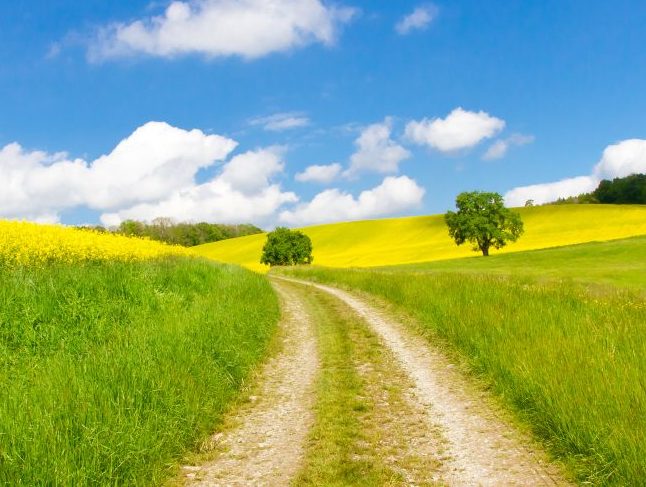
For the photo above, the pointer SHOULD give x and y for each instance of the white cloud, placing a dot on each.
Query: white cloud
(219, 28)
(241, 193)
(622, 159)
(281, 121)
(461, 129)
(250, 172)
(35, 185)
(376, 151)
(418, 19)
(500, 147)
(319, 173)
(149, 174)
(392, 196)
(618, 160)
(155, 160)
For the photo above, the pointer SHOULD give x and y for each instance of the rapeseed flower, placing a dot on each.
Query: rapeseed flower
(25, 244)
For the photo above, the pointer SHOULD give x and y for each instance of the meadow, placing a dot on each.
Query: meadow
(613, 263)
(117, 356)
(409, 240)
(566, 354)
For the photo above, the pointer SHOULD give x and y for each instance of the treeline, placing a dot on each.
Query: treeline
(186, 234)
(629, 190)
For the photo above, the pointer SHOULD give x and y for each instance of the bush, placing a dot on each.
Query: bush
(287, 247)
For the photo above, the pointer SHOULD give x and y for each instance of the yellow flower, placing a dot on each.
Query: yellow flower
(32, 244)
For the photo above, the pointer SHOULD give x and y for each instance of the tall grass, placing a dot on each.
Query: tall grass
(570, 361)
(110, 371)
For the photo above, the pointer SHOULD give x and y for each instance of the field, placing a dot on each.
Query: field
(612, 263)
(123, 355)
(566, 354)
(117, 356)
(24, 244)
(423, 239)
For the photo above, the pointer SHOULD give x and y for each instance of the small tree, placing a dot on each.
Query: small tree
(287, 247)
(483, 220)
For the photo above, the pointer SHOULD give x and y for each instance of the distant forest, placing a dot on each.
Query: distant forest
(630, 190)
(186, 234)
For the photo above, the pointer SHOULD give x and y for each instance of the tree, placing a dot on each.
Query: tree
(287, 247)
(483, 220)
(183, 233)
(628, 190)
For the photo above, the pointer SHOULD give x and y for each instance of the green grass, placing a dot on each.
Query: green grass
(334, 452)
(618, 262)
(568, 359)
(110, 372)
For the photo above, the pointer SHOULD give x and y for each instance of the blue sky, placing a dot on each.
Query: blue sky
(413, 101)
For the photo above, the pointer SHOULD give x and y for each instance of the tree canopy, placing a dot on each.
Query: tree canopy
(483, 220)
(186, 234)
(286, 247)
(628, 190)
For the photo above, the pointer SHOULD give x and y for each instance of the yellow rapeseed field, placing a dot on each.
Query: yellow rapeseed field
(420, 239)
(32, 244)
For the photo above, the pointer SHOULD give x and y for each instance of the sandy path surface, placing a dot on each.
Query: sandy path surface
(265, 445)
(480, 448)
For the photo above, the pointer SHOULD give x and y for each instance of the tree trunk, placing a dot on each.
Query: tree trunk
(485, 251)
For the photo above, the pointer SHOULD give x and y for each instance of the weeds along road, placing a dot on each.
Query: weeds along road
(354, 398)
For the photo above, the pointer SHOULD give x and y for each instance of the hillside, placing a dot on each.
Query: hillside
(616, 263)
(422, 239)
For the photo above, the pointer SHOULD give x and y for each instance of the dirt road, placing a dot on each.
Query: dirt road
(441, 417)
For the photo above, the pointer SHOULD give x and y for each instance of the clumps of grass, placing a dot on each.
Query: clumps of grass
(112, 370)
(570, 361)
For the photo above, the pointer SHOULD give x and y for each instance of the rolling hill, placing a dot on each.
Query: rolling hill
(410, 240)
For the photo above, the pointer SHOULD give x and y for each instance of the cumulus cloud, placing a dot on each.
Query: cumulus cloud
(221, 28)
(376, 151)
(461, 129)
(35, 185)
(499, 148)
(392, 196)
(319, 173)
(250, 172)
(622, 159)
(281, 121)
(418, 19)
(242, 192)
(155, 160)
(149, 174)
(618, 160)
